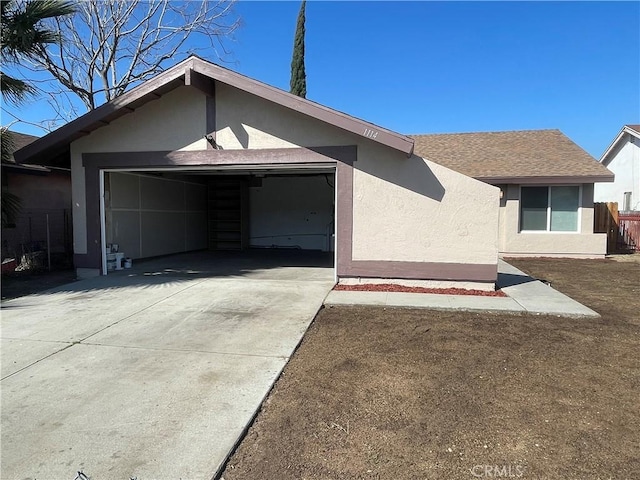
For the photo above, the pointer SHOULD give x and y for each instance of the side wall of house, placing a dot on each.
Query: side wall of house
(626, 167)
(51, 190)
(581, 244)
(45, 205)
(413, 210)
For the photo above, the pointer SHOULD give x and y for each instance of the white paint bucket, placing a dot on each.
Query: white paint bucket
(127, 263)
(111, 261)
(119, 260)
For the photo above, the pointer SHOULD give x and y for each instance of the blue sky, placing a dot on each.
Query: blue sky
(436, 67)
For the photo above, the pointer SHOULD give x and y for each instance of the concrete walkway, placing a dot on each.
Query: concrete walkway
(150, 373)
(524, 295)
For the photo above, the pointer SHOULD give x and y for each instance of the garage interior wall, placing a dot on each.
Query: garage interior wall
(149, 216)
(293, 212)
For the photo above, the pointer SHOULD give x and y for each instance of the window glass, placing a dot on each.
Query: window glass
(533, 208)
(564, 209)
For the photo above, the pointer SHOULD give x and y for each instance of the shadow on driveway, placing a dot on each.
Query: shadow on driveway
(175, 269)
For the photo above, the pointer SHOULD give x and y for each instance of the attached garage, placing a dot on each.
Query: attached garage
(201, 157)
(154, 213)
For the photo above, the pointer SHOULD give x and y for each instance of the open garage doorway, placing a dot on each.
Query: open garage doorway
(220, 221)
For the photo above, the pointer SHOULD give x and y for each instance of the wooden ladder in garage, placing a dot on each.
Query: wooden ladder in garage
(228, 212)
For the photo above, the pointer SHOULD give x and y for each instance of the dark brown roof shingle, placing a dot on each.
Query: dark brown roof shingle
(19, 140)
(511, 156)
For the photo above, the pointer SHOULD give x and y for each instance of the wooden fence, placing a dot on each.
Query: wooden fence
(605, 217)
(629, 230)
(622, 228)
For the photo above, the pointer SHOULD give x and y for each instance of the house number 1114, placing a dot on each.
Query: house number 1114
(370, 133)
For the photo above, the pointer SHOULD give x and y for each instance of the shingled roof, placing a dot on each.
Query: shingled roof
(526, 156)
(19, 140)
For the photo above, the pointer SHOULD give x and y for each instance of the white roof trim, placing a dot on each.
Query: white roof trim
(625, 129)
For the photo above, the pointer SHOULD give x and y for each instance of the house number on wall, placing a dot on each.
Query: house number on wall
(370, 133)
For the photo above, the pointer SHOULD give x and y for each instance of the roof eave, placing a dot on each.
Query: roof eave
(58, 140)
(605, 159)
(338, 119)
(547, 180)
(25, 168)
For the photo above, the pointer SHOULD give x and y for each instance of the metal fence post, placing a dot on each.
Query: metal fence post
(48, 244)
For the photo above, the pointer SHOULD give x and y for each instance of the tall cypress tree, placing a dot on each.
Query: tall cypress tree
(298, 82)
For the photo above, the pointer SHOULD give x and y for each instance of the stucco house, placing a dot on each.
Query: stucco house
(202, 157)
(622, 157)
(546, 186)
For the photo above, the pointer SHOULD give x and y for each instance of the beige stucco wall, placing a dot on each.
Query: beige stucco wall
(176, 121)
(247, 121)
(404, 209)
(583, 243)
(417, 211)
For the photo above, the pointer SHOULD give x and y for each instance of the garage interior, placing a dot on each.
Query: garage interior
(282, 216)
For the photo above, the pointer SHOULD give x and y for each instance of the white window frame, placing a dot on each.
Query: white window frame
(548, 230)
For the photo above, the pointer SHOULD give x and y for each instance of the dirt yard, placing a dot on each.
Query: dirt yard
(375, 393)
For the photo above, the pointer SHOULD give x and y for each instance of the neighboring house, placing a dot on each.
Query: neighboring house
(201, 156)
(623, 159)
(45, 195)
(546, 184)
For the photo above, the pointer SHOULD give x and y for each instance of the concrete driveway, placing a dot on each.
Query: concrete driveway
(150, 373)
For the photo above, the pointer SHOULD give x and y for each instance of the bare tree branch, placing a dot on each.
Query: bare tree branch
(45, 125)
(109, 46)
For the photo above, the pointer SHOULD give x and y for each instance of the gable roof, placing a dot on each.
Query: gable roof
(526, 156)
(630, 130)
(199, 73)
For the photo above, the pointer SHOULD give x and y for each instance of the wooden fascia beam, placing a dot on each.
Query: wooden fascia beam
(197, 80)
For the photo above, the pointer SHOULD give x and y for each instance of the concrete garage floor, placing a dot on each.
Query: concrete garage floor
(152, 372)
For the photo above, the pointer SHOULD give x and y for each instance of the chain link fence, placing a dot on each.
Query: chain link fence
(39, 239)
